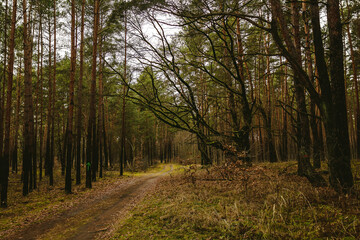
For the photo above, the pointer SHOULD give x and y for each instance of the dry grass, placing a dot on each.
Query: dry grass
(261, 202)
(46, 200)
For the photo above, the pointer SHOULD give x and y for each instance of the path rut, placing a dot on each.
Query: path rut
(93, 218)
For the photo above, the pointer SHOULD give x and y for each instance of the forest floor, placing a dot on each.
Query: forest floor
(265, 201)
(85, 214)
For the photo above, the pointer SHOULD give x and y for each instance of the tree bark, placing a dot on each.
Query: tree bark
(2, 97)
(270, 146)
(106, 151)
(337, 128)
(53, 115)
(48, 165)
(28, 105)
(79, 97)
(71, 102)
(284, 130)
(309, 65)
(123, 123)
(357, 111)
(303, 134)
(41, 99)
(17, 122)
(91, 137)
(100, 105)
(7, 150)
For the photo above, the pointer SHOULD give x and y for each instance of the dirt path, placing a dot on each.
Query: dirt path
(93, 218)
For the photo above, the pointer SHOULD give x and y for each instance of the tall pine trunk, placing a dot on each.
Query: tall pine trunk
(303, 134)
(53, 116)
(123, 123)
(91, 136)
(28, 106)
(17, 123)
(79, 98)
(71, 102)
(336, 123)
(7, 153)
(100, 107)
(41, 131)
(316, 146)
(357, 111)
(48, 166)
(2, 100)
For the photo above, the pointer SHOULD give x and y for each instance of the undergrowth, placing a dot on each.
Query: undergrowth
(234, 202)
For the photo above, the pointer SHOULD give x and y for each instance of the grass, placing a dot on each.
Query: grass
(261, 202)
(266, 201)
(157, 168)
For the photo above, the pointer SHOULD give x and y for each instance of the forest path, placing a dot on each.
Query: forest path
(94, 218)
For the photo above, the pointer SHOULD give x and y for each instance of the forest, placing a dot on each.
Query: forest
(218, 95)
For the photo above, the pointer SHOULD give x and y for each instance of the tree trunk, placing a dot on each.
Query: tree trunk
(48, 165)
(357, 111)
(309, 65)
(337, 128)
(53, 115)
(37, 100)
(2, 102)
(123, 123)
(244, 135)
(106, 153)
(7, 153)
(303, 134)
(62, 150)
(100, 106)
(17, 122)
(71, 102)
(268, 116)
(284, 130)
(79, 98)
(28, 105)
(91, 137)
(41, 99)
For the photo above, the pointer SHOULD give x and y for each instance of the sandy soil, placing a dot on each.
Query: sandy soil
(94, 217)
